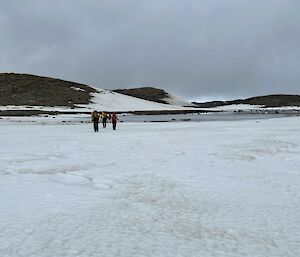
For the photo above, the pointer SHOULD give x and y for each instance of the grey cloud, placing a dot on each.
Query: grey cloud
(215, 48)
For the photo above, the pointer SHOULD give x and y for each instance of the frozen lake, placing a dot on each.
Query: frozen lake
(222, 116)
(196, 117)
(218, 188)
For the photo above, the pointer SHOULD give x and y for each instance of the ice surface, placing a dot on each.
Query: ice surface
(150, 189)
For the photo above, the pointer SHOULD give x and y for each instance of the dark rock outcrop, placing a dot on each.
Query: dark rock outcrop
(24, 89)
(266, 101)
(146, 93)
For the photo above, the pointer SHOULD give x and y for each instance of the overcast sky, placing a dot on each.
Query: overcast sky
(217, 49)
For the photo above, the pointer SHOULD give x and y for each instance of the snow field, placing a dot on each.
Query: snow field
(163, 189)
(105, 100)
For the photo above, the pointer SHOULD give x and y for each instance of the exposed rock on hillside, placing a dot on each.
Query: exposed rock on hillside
(267, 101)
(24, 89)
(154, 95)
(146, 93)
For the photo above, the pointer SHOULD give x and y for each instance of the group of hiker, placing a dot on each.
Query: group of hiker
(105, 117)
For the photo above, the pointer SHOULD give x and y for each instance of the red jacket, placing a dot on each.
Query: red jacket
(114, 117)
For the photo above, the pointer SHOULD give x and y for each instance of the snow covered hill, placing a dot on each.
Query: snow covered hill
(155, 95)
(104, 100)
(176, 100)
(23, 92)
(112, 101)
(29, 92)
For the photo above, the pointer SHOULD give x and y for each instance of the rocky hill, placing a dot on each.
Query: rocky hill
(23, 94)
(146, 93)
(155, 95)
(24, 89)
(266, 101)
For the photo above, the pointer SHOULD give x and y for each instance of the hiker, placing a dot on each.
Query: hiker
(114, 119)
(104, 119)
(95, 119)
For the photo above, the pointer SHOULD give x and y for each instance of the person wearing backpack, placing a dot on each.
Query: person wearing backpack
(109, 117)
(114, 119)
(104, 119)
(95, 119)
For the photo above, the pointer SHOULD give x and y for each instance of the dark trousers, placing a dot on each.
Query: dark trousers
(114, 123)
(96, 126)
(104, 122)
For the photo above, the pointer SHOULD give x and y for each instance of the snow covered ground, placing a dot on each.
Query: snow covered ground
(249, 107)
(177, 101)
(112, 101)
(233, 107)
(220, 188)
